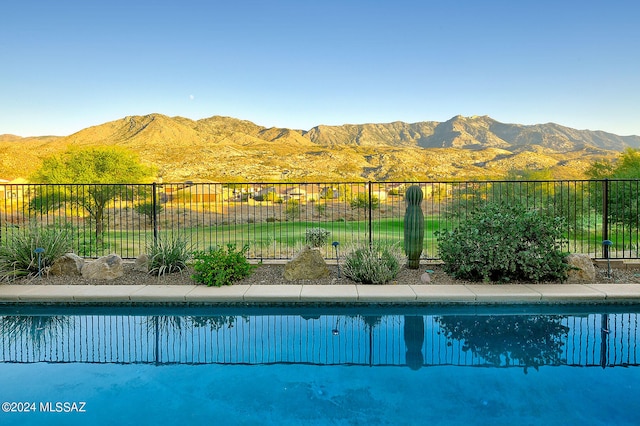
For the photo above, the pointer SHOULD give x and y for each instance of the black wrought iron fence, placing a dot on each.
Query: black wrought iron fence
(272, 218)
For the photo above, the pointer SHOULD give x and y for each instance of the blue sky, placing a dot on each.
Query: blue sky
(66, 64)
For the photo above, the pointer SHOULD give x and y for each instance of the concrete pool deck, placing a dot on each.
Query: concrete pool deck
(473, 294)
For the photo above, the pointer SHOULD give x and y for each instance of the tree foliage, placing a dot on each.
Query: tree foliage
(623, 199)
(98, 165)
(535, 189)
(107, 171)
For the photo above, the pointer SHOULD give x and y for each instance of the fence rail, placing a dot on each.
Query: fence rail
(272, 218)
(594, 340)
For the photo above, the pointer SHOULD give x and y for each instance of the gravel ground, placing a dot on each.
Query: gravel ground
(273, 274)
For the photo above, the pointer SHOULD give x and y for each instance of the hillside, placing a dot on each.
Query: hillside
(228, 149)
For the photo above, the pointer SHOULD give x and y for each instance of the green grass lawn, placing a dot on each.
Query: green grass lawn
(277, 239)
(282, 239)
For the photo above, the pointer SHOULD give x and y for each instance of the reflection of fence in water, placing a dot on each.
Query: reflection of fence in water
(590, 340)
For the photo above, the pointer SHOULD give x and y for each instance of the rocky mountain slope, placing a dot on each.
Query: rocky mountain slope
(228, 149)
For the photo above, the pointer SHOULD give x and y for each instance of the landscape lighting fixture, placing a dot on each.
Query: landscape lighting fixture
(607, 245)
(335, 245)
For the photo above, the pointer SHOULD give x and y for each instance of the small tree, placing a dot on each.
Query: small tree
(147, 209)
(105, 173)
(292, 210)
(362, 201)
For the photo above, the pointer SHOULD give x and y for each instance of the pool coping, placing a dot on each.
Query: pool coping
(300, 295)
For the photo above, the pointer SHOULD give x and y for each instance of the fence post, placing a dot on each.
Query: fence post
(605, 217)
(370, 218)
(154, 201)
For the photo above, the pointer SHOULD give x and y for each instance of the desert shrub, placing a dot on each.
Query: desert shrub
(292, 211)
(148, 210)
(168, 254)
(270, 195)
(317, 237)
(361, 201)
(373, 265)
(18, 257)
(219, 267)
(503, 242)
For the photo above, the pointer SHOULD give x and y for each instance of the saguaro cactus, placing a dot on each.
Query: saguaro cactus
(413, 226)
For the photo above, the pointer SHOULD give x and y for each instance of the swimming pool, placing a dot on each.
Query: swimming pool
(448, 365)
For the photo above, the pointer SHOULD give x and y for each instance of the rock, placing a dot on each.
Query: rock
(425, 278)
(69, 264)
(308, 264)
(142, 263)
(104, 268)
(582, 269)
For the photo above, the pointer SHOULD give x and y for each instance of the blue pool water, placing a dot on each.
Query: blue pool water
(320, 367)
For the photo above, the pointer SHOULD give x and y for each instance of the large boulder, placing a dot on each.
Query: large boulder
(581, 268)
(308, 264)
(104, 268)
(69, 264)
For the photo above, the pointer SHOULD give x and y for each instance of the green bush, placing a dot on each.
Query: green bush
(503, 242)
(373, 265)
(18, 257)
(317, 237)
(168, 254)
(219, 267)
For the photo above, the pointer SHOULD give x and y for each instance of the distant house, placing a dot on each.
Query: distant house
(380, 191)
(267, 193)
(200, 193)
(335, 192)
(396, 188)
(399, 189)
(295, 193)
(330, 192)
(12, 190)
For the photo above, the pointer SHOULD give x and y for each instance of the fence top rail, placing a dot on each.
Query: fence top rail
(231, 184)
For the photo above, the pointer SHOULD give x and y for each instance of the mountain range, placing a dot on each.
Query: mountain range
(230, 150)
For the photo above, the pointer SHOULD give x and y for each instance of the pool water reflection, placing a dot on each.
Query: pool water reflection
(318, 366)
